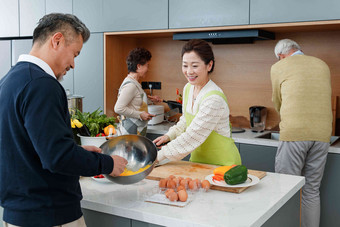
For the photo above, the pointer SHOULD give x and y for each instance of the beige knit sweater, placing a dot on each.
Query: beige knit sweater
(302, 95)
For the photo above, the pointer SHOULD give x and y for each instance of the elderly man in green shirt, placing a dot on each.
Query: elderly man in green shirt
(302, 95)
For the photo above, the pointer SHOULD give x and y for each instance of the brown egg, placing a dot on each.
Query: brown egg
(171, 177)
(180, 178)
(184, 183)
(206, 185)
(173, 196)
(171, 184)
(176, 181)
(182, 195)
(162, 183)
(181, 187)
(167, 192)
(188, 179)
(198, 183)
(193, 185)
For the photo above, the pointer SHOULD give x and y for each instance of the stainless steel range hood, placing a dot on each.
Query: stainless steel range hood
(226, 37)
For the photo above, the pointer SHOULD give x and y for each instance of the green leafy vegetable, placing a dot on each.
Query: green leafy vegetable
(95, 121)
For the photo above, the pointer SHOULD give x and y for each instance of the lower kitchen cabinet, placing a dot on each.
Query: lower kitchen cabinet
(329, 192)
(1, 212)
(258, 157)
(95, 219)
(135, 223)
(238, 146)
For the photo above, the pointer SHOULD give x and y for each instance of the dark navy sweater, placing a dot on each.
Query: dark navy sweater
(40, 163)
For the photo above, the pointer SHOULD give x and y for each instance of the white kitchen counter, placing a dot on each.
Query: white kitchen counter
(253, 207)
(247, 137)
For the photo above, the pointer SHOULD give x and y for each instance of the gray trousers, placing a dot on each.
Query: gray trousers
(308, 159)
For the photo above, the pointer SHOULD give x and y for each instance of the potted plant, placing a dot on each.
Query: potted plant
(92, 128)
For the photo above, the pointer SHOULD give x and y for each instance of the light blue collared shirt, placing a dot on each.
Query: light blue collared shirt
(297, 52)
(38, 62)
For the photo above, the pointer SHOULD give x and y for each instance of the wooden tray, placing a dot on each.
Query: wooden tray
(195, 170)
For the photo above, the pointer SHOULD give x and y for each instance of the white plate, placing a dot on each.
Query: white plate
(102, 180)
(252, 180)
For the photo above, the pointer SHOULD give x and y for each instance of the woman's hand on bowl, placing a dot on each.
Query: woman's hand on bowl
(119, 164)
(161, 140)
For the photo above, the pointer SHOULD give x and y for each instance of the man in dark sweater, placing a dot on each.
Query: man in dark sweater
(40, 163)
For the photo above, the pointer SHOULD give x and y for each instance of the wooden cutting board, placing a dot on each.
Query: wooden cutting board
(195, 170)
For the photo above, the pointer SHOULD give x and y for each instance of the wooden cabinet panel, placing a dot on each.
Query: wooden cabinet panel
(30, 13)
(200, 13)
(89, 73)
(268, 11)
(9, 18)
(113, 15)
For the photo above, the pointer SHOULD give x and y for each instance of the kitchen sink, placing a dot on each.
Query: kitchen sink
(270, 135)
(276, 136)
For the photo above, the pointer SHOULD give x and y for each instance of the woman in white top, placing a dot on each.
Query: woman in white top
(131, 104)
(204, 130)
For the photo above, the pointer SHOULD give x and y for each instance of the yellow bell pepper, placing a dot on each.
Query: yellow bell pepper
(221, 170)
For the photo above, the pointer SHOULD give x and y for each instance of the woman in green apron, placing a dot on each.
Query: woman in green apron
(131, 104)
(203, 130)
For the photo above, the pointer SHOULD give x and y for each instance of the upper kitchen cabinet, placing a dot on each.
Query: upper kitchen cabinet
(20, 46)
(5, 57)
(114, 15)
(9, 18)
(60, 6)
(268, 11)
(89, 73)
(201, 13)
(30, 13)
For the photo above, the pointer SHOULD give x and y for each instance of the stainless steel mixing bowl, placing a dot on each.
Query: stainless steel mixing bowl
(139, 151)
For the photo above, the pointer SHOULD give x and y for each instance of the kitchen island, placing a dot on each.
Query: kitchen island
(259, 154)
(275, 199)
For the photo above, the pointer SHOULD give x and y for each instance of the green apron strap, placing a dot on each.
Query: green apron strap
(216, 149)
(221, 95)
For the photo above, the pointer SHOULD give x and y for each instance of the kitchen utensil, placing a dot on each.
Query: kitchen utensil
(173, 105)
(139, 151)
(150, 86)
(258, 115)
(74, 102)
(170, 114)
(158, 111)
(195, 170)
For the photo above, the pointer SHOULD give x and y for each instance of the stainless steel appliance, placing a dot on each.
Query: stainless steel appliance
(258, 115)
(74, 102)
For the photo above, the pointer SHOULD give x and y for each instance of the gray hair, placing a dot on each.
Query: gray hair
(284, 46)
(67, 24)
